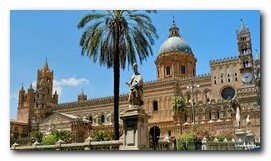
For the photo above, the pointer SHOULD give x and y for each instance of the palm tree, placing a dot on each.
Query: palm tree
(115, 38)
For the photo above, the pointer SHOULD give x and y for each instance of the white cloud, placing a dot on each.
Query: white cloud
(14, 96)
(68, 82)
(59, 84)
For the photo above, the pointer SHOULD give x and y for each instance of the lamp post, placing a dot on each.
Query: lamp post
(192, 86)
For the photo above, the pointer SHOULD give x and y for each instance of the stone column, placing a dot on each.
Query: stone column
(135, 129)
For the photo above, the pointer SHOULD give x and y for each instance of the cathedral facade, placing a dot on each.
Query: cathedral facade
(208, 98)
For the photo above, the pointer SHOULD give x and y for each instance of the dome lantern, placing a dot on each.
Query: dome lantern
(174, 43)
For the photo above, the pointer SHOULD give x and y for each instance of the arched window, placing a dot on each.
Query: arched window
(182, 69)
(167, 70)
(90, 119)
(102, 119)
(155, 106)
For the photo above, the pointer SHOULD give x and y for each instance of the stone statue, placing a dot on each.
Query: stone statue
(248, 121)
(136, 88)
(236, 106)
(238, 117)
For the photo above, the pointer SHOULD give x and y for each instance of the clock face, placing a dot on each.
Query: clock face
(247, 77)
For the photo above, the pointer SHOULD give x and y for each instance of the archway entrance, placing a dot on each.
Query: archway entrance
(154, 136)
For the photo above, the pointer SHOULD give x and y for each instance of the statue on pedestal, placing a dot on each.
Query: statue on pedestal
(248, 122)
(136, 88)
(236, 106)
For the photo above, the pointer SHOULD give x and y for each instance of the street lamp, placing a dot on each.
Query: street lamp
(192, 86)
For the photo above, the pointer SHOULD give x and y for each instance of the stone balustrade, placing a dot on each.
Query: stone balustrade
(89, 144)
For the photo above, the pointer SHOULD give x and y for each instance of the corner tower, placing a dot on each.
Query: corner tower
(45, 99)
(175, 58)
(245, 54)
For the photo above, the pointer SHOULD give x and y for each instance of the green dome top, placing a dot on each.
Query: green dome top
(174, 42)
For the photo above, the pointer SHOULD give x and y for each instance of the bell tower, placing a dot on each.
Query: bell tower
(245, 54)
(44, 92)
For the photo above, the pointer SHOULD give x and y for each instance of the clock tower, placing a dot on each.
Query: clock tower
(245, 55)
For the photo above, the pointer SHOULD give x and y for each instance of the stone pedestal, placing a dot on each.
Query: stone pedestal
(135, 129)
(250, 138)
(240, 135)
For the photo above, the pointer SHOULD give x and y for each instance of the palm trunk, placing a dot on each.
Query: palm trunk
(116, 89)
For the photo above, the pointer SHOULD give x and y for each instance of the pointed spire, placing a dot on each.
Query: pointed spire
(243, 26)
(30, 87)
(22, 88)
(174, 30)
(46, 66)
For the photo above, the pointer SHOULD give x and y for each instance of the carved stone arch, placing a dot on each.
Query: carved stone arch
(96, 118)
(208, 113)
(218, 107)
(109, 117)
(207, 95)
(102, 117)
(90, 118)
(218, 113)
(187, 96)
(197, 96)
(200, 113)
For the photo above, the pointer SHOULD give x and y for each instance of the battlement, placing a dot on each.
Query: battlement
(93, 101)
(223, 60)
(203, 75)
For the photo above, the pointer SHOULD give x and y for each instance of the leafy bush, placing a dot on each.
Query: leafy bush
(50, 139)
(36, 136)
(101, 135)
(64, 135)
(186, 141)
(220, 137)
(13, 138)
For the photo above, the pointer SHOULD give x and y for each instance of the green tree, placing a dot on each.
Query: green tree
(117, 37)
(101, 135)
(64, 135)
(177, 103)
(50, 139)
(36, 136)
(220, 137)
(186, 141)
(12, 138)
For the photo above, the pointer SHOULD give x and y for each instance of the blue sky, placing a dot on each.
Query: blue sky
(35, 35)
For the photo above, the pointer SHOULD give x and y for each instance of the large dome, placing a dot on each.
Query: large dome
(175, 43)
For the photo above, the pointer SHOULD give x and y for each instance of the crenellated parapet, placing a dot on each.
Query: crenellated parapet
(228, 60)
(93, 102)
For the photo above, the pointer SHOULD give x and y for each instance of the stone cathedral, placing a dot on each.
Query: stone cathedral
(234, 78)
